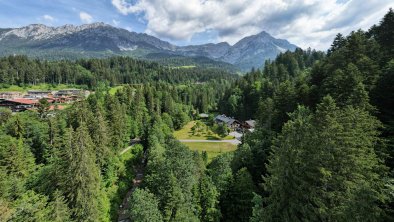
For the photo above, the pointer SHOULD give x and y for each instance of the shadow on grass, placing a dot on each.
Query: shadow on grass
(212, 138)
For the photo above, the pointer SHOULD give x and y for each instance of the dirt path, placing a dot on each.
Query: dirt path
(132, 143)
(139, 176)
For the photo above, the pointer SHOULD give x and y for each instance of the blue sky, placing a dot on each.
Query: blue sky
(306, 23)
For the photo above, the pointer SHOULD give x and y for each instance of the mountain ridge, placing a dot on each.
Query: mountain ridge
(102, 40)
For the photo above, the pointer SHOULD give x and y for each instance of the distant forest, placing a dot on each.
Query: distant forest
(20, 70)
(322, 150)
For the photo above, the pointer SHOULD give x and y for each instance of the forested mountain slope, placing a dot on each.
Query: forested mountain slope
(323, 150)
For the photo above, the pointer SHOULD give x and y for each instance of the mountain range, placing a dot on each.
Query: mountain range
(102, 40)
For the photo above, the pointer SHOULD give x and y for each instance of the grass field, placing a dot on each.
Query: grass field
(184, 67)
(113, 90)
(36, 87)
(206, 134)
(212, 149)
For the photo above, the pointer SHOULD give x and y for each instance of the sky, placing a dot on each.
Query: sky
(306, 23)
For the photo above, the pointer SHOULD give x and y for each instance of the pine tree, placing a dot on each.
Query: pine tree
(101, 139)
(322, 163)
(59, 209)
(144, 207)
(5, 115)
(31, 207)
(238, 204)
(15, 157)
(257, 213)
(81, 181)
(208, 200)
(339, 42)
(220, 171)
(384, 33)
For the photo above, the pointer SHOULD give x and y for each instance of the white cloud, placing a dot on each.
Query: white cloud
(115, 22)
(307, 23)
(48, 18)
(85, 17)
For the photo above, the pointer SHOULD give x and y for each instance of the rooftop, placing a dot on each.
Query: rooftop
(251, 123)
(203, 115)
(23, 101)
(225, 119)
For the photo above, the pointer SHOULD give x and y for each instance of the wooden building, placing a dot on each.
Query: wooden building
(18, 105)
(249, 125)
(10, 95)
(38, 94)
(229, 121)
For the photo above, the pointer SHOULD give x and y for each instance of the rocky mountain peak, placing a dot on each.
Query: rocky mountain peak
(105, 40)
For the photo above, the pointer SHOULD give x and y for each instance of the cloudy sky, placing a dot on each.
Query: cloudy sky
(306, 23)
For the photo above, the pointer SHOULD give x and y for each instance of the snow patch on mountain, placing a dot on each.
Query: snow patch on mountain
(127, 48)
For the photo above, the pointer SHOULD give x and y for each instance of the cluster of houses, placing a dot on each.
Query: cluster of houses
(234, 124)
(17, 101)
(238, 128)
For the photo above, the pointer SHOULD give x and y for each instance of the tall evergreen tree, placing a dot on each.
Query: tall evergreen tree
(238, 204)
(81, 181)
(59, 209)
(144, 207)
(321, 163)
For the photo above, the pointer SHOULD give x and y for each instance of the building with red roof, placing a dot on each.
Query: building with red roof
(19, 104)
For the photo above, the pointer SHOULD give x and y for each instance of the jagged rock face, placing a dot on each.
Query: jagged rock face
(95, 37)
(101, 39)
(253, 50)
(209, 50)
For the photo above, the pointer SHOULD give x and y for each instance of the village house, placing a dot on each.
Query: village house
(72, 92)
(10, 95)
(38, 94)
(69, 95)
(19, 104)
(230, 122)
(249, 125)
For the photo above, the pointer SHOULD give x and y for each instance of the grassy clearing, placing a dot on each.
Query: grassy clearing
(184, 67)
(36, 87)
(212, 149)
(206, 134)
(113, 90)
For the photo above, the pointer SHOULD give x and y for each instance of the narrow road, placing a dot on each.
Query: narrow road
(234, 141)
(125, 150)
(132, 143)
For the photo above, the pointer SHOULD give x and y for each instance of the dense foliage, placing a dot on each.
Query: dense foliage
(322, 149)
(20, 70)
(67, 166)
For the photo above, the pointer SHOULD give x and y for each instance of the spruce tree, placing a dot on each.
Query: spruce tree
(81, 180)
(324, 167)
(59, 209)
(144, 207)
(238, 204)
(208, 200)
